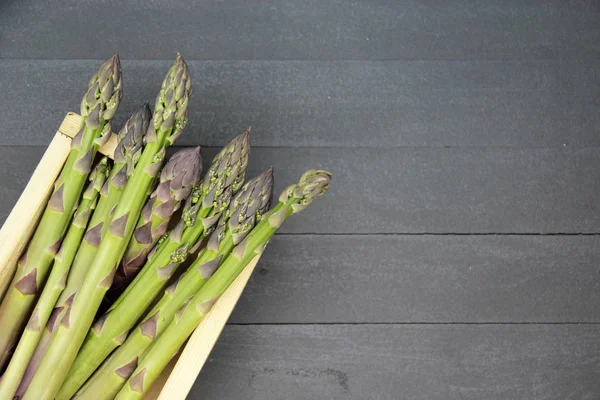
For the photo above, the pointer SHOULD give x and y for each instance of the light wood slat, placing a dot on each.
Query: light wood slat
(69, 128)
(22, 220)
(182, 374)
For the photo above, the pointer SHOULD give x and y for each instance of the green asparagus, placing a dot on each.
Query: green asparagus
(202, 210)
(204, 206)
(97, 109)
(127, 153)
(55, 284)
(295, 198)
(177, 178)
(245, 209)
(170, 116)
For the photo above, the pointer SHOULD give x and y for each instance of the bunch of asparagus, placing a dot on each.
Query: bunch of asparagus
(153, 243)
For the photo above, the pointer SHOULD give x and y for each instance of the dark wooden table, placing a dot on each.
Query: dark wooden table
(457, 254)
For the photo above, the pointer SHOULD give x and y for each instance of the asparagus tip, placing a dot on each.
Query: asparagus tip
(182, 172)
(115, 63)
(267, 177)
(313, 184)
(246, 134)
(130, 138)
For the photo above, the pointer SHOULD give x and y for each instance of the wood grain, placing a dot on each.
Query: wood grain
(443, 122)
(378, 104)
(424, 279)
(70, 125)
(407, 362)
(302, 30)
(416, 190)
(22, 220)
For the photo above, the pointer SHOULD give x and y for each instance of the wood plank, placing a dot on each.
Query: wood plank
(415, 190)
(24, 216)
(307, 30)
(349, 104)
(412, 279)
(70, 128)
(409, 362)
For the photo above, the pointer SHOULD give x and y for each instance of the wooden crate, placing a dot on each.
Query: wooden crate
(177, 380)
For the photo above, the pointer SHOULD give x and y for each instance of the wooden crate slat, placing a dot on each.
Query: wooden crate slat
(22, 220)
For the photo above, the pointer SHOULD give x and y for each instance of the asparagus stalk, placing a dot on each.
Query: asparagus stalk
(177, 178)
(127, 153)
(55, 283)
(295, 198)
(206, 204)
(97, 109)
(170, 115)
(245, 209)
(202, 210)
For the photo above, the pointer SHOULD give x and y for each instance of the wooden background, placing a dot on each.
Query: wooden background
(456, 255)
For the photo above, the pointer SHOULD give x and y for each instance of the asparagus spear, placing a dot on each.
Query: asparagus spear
(206, 203)
(245, 209)
(177, 178)
(170, 115)
(127, 153)
(97, 109)
(295, 198)
(202, 210)
(55, 283)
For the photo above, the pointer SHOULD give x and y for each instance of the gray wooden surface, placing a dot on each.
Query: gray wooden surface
(456, 255)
